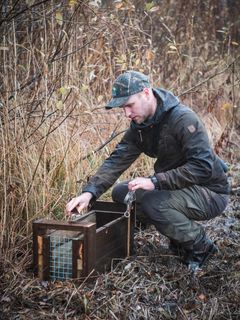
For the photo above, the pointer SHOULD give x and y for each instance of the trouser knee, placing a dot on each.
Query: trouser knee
(160, 208)
(155, 204)
(119, 192)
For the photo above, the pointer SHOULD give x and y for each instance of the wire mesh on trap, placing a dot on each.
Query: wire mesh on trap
(60, 256)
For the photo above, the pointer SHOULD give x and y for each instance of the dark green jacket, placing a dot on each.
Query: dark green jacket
(176, 137)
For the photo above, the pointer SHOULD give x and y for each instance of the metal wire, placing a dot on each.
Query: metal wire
(60, 258)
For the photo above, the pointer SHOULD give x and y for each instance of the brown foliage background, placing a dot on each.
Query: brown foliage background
(58, 62)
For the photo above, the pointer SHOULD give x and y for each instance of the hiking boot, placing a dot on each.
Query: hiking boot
(176, 248)
(200, 253)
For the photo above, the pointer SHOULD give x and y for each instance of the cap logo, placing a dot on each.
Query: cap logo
(114, 92)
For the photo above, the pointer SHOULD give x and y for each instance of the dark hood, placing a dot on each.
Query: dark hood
(166, 101)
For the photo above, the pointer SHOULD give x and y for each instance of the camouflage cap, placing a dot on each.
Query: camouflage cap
(125, 85)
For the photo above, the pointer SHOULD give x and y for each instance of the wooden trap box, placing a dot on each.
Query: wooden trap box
(86, 246)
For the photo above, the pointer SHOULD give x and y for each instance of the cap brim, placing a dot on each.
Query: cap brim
(116, 102)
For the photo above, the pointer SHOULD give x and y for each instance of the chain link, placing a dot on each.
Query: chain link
(129, 199)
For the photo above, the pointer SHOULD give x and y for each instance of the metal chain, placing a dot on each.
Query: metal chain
(129, 199)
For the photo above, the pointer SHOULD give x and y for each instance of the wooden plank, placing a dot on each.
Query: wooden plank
(40, 256)
(117, 208)
(35, 249)
(109, 206)
(111, 244)
(89, 250)
(63, 225)
(105, 218)
(46, 258)
(77, 258)
(132, 226)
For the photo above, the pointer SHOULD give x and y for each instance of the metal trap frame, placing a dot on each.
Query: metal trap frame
(83, 247)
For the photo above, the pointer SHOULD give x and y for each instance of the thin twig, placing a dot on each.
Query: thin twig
(209, 78)
(103, 145)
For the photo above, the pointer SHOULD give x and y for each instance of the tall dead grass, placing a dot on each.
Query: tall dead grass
(59, 59)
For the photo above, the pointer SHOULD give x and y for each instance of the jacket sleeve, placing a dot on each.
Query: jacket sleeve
(125, 153)
(192, 136)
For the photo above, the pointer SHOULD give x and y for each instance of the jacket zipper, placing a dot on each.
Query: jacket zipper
(140, 135)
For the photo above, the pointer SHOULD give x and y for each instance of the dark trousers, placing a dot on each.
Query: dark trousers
(174, 212)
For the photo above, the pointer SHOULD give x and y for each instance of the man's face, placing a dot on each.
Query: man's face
(138, 107)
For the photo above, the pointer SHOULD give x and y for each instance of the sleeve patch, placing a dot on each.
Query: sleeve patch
(191, 128)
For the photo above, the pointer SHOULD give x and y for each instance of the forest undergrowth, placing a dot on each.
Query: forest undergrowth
(58, 62)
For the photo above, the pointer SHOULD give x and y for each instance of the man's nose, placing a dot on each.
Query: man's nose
(127, 112)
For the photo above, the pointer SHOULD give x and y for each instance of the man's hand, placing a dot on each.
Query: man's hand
(141, 183)
(79, 203)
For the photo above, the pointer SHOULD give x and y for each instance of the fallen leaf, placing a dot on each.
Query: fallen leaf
(59, 18)
(202, 297)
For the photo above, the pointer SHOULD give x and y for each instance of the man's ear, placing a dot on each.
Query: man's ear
(147, 91)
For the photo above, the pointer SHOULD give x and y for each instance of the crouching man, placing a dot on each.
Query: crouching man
(188, 182)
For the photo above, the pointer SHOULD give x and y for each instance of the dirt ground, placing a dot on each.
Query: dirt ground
(151, 285)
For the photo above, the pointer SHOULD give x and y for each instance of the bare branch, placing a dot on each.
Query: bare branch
(112, 137)
(209, 78)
